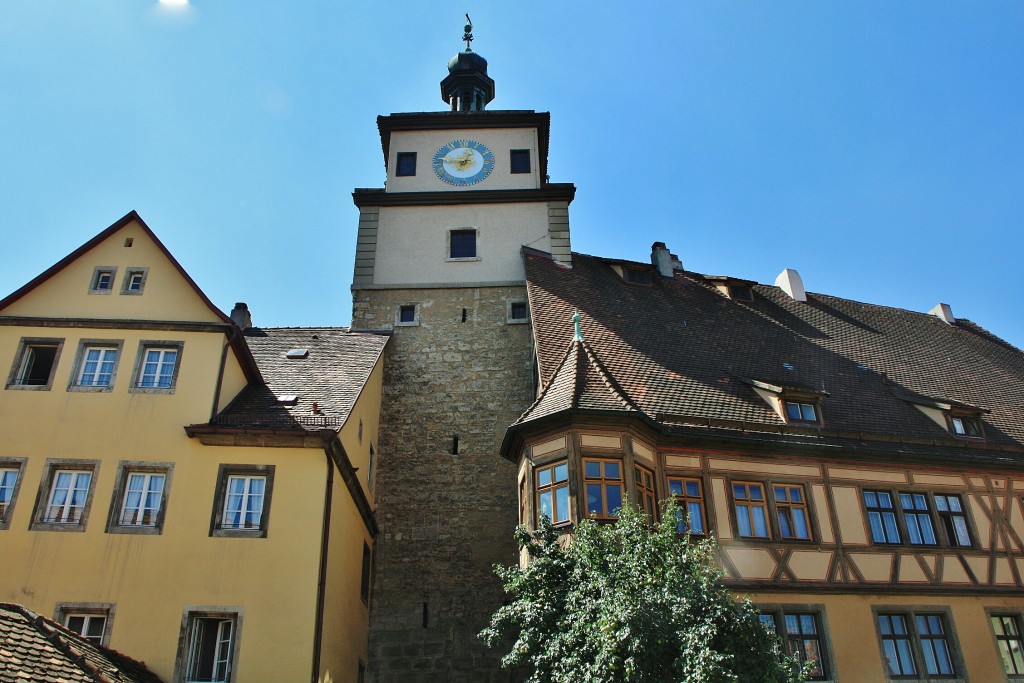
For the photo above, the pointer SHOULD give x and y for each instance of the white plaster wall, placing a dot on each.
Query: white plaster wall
(412, 242)
(426, 143)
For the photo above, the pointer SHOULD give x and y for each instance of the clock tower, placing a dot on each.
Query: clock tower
(439, 262)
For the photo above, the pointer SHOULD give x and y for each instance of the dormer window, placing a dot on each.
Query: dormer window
(734, 288)
(801, 411)
(959, 419)
(964, 425)
(740, 293)
(795, 405)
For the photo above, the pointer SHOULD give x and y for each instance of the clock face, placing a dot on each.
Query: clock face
(463, 162)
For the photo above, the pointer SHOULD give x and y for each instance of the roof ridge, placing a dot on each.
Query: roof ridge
(609, 380)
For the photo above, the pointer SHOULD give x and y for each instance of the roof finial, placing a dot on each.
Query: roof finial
(468, 35)
(577, 332)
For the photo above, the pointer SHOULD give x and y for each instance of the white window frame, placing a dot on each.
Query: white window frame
(89, 611)
(78, 484)
(228, 503)
(130, 276)
(143, 511)
(98, 275)
(243, 498)
(195, 621)
(65, 520)
(117, 522)
(157, 385)
(81, 365)
(10, 483)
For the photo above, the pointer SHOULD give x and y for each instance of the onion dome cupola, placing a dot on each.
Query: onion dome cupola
(467, 87)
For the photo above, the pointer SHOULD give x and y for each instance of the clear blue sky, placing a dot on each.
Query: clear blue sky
(876, 147)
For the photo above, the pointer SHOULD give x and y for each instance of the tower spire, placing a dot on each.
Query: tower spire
(467, 87)
(468, 33)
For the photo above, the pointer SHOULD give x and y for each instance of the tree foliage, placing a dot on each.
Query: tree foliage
(628, 602)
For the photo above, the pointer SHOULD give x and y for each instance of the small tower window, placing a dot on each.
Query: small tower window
(406, 165)
(518, 312)
(520, 161)
(462, 244)
(407, 315)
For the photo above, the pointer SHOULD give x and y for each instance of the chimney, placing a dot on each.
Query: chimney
(666, 263)
(944, 313)
(240, 316)
(790, 282)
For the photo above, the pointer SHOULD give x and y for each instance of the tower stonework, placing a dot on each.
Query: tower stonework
(439, 263)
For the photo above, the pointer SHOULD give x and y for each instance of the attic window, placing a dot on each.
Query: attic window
(739, 292)
(734, 288)
(636, 276)
(297, 353)
(102, 280)
(965, 425)
(288, 399)
(801, 411)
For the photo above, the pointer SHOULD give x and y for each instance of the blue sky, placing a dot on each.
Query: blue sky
(876, 147)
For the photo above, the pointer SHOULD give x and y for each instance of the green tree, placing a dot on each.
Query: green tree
(628, 602)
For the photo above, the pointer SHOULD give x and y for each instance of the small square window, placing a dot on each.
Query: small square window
(242, 505)
(462, 244)
(518, 312)
(209, 646)
(65, 495)
(134, 281)
(35, 364)
(520, 161)
(91, 620)
(102, 281)
(156, 367)
(406, 165)
(95, 365)
(140, 497)
(10, 480)
(407, 315)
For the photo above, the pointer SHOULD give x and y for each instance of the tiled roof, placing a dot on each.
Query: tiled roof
(580, 381)
(34, 649)
(331, 376)
(685, 353)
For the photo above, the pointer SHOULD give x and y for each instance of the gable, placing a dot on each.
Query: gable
(71, 289)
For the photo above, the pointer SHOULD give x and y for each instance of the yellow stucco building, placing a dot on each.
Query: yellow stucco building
(178, 485)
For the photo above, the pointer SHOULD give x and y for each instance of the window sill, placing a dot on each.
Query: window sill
(57, 526)
(451, 259)
(89, 389)
(134, 530)
(151, 390)
(29, 387)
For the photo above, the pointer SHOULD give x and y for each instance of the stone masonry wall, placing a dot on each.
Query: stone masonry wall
(444, 518)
